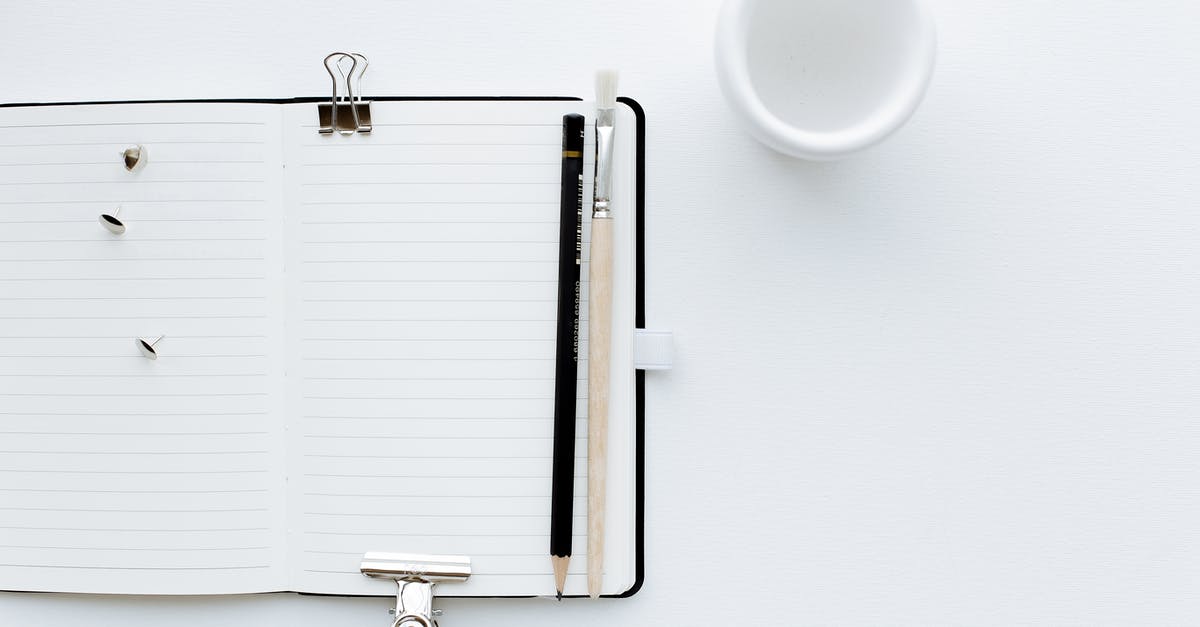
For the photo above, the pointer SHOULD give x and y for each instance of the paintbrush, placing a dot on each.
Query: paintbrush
(600, 325)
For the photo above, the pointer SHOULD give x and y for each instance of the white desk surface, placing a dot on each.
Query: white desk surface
(953, 380)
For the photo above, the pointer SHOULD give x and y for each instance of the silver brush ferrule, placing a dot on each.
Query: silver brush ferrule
(602, 190)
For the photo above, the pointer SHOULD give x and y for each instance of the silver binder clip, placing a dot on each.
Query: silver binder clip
(347, 114)
(415, 576)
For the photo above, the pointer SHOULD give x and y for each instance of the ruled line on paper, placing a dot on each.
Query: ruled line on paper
(135, 548)
(148, 316)
(126, 259)
(138, 472)
(575, 571)
(433, 203)
(109, 163)
(248, 491)
(410, 515)
(122, 433)
(139, 123)
(461, 379)
(423, 359)
(468, 124)
(142, 183)
(473, 554)
(435, 535)
(205, 530)
(471, 457)
(127, 395)
(454, 183)
(431, 320)
(375, 476)
(382, 143)
(483, 301)
(125, 298)
(465, 221)
(430, 398)
(431, 476)
(154, 568)
(144, 278)
(347, 164)
(427, 183)
(134, 452)
(115, 143)
(453, 281)
(121, 355)
(425, 418)
(423, 261)
(118, 337)
(133, 511)
(443, 379)
(232, 375)
(141, 414)
(140, 239)
(417, 241)
(133, 202)
(333, 436)
(545, 497)
(395, 495)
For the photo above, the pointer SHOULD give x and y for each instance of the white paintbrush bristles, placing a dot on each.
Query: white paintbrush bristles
(606, 89)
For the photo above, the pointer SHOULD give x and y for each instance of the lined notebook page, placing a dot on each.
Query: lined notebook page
(117, 473)
(422, 288)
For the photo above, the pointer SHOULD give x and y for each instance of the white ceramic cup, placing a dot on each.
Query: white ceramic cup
(821, 79)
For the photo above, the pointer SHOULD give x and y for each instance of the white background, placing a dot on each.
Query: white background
(953, 380)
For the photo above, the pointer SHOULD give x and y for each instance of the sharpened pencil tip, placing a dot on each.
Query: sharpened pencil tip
(560, 563)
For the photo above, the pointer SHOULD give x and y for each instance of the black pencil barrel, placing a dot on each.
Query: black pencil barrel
(570, 256)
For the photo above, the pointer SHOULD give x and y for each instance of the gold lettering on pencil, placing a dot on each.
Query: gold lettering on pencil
(575, 348)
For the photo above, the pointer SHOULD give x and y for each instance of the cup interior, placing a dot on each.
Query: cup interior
(825, 65)
(822, 78)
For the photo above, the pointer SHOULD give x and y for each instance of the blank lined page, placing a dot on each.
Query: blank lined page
(422, 268)
(119, 474)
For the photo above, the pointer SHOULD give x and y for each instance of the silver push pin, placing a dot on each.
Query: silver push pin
(134, 157)
(415, 576)
(147, 348)
(112, 223)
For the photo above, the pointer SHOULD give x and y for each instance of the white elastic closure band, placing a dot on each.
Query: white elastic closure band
(653, 350)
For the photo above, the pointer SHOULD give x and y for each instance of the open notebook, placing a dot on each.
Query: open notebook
(358, 352)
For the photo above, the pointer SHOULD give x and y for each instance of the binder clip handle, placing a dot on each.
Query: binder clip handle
(349, 113)
(335, 100)
(414, 604)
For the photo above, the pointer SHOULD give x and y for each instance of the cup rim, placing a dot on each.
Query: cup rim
(733, 74)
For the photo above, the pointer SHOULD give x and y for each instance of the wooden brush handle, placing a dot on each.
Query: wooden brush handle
(599, 341)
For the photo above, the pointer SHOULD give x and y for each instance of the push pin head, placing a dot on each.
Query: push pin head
(147, 348)
(134, 157)
(112, 223)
